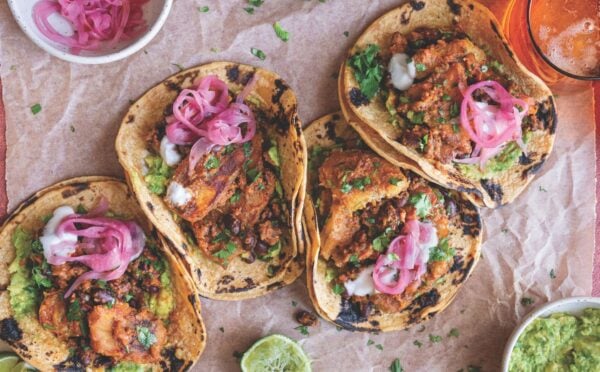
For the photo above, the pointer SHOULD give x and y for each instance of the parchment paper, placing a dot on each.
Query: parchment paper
(550, 227)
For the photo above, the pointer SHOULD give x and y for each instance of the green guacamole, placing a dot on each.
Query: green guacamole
(501, 162)
(560, 342)
(158, 174)
(24, 295)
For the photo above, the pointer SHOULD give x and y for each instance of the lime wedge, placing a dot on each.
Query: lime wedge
(275, 353)
(8, 361)
(21, 367)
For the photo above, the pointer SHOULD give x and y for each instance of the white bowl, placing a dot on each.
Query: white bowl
(155, 14)
(571, 305)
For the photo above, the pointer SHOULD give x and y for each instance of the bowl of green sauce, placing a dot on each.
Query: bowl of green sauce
(562, 335)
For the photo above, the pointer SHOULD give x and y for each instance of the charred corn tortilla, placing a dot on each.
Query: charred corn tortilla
(274, 106)
(186, 336)
(482, 29)
(329, 134)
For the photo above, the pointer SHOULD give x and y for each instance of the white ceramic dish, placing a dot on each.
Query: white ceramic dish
(155, 14)
(572, 305)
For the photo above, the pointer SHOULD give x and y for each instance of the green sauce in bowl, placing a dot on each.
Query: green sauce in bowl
(559, 342)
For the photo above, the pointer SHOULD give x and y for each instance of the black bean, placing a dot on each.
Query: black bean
(134, 303)
(248, 257)
(261, 248)
(153, 289)
(366, 309)
(249, 241)
(400, 201)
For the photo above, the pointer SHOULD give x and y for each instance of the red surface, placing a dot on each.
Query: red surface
(596, 274)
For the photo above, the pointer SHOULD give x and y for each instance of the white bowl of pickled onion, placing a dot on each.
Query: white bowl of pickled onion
(154, 14)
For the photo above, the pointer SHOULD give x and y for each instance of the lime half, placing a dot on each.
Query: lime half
(275, 353)
(21, 367)
(8, 361)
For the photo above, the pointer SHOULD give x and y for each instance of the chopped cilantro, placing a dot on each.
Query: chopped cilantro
(258, 53)
(423, 142)
(228, 149)
(346, 188)
(303, 329)
(415, 117)
(360, 183)
(395, 366)
(235, 197)
(74, 311)
(368, 72)
(379, 347)
(441, 120)
(420, 67)
(381, 242)
(253, 174)
(249, 10)
(346, 33)
(453, 333)
(394, 181)
(35, 109)
(404, 99)
(212, 162)
(225, 252)
(542, 189)
(454, 110)
(434, 338)
(442, 252)
(294, 303)
(203, 9)
(338, 288)
(180, 67)
(417, 343)
(472, 368)
(247, 149)
(146, 337)
(39, 278)
(256, 3)
(222, 329)
(354, 260)
(370, 342)
(552, 274)
(446, 97)
(81, 209)
(455, 128)
(497, 66)
(280, 32)
(371, 220)
(526, 301)
(421, 203)
(279, 189)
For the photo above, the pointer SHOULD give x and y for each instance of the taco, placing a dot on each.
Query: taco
(217, 160)
(89, 284)
(386, 248)
(438, 82)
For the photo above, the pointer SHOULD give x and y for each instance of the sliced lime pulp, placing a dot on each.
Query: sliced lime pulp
(275, 353)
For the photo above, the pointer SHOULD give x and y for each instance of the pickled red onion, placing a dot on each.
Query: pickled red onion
(93, 21)
(491, 127)
(410, 254)
(204, 117)
(109, 245)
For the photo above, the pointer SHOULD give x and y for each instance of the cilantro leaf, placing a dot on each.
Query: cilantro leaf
(212, 162)
(395, 366)
(442, 252)
(368, 71)
(225, 252)
(281, 32)
(146, 337)
(35, 109)
(421, 203)
(258, 53)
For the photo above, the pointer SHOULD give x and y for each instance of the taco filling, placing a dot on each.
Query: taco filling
(98, 283)
(450, 100)
(218, 169)
(385, 235)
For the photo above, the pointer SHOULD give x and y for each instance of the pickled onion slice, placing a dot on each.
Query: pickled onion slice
(93, 21)
(491, 126)
(205, 118)
(406, 258)
(108, 246)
